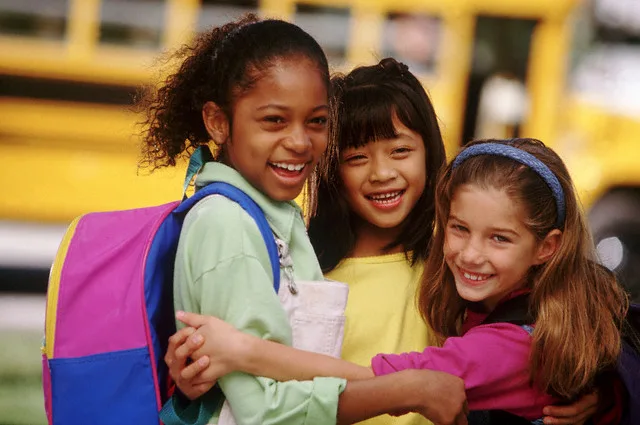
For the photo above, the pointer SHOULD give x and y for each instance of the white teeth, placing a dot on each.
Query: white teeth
(290, 167)
(385, 196)
(475, 277)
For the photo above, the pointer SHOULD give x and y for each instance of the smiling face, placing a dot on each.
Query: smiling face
(279, 128)
(384, 179)
(487, 246)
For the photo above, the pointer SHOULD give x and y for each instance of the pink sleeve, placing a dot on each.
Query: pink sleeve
(493, 361)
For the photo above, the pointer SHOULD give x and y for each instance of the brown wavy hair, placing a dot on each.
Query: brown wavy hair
(220, 65)
(574, 300)
(362, 107)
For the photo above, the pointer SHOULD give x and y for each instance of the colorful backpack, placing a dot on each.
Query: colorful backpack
(110, 310)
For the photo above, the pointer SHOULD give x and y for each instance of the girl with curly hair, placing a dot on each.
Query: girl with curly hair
(258, 89)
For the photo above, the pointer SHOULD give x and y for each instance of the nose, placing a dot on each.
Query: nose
(472, 253)
(298, 141)
(382, 170)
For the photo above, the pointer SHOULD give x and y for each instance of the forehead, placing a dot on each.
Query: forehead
(487, 207)
(288, 75)
(403, 136)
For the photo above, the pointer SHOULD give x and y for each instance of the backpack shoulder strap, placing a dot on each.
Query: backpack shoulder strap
(631, 327)
(515, 311)
(198, 158)
(249, 205)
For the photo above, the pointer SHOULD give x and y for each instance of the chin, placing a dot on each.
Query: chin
(471, 296)
(284, 195)
(385, 224)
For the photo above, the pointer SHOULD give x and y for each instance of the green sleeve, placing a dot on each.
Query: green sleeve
(240, 292)
(226, 273)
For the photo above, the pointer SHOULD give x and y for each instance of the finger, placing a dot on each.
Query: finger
(561, 412)
(195, 368)
(180, 337)
(585, 415)
(568, 414)
(187, 349)
(176, 340)
(551, 420)
(586, 404)
(193, 343)
(191, 319)
(201, 351)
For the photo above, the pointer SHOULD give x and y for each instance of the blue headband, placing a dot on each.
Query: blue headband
(522, 157)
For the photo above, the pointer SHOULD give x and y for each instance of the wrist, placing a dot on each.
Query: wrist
(411, 382)
(244, 358)
(403, 390)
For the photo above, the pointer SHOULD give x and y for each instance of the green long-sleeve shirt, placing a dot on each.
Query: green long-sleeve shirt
(222, 269)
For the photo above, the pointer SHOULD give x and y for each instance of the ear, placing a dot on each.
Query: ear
(216, 123)
(548, 246)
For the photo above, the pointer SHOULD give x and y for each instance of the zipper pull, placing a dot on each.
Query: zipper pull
(286, 264)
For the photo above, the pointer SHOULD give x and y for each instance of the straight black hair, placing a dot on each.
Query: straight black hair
(363, 104)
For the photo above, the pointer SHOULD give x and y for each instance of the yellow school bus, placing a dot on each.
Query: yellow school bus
(70, 69)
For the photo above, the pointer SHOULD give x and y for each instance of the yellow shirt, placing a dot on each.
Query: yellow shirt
(382, 315)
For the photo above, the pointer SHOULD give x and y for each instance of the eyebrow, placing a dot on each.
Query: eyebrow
(503, 230)
(405, 136)
(286, 108)
(493, 229)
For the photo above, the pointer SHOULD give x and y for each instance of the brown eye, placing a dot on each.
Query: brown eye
(321, 121)
(353, 158)
(458, 227)
(500, 239)
(275, 119)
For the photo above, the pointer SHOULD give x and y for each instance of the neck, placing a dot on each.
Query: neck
(371, 240)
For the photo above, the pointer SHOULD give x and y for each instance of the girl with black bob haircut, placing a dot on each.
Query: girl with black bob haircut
(364, 105)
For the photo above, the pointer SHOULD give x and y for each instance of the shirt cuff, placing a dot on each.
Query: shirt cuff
(179, 410)
(381, 366)
(323, 405)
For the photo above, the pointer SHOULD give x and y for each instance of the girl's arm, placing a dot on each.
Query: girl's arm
(233, 281)
(203, 284)
(230, 350)
(437, 396)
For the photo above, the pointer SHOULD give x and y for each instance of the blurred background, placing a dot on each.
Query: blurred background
(564, 71)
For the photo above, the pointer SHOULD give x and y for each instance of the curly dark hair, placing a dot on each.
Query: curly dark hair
(362, 107)
(220, 65)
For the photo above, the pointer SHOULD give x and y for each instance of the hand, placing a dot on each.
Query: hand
(441, 397)
(214, 339)
(576, 413)
(176, 360)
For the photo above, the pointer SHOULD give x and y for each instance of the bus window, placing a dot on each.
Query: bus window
(132, 23)
(328, 25)
(45, 19)
(497, 97)
(413, 39)
(214, 13)
(57, 90)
